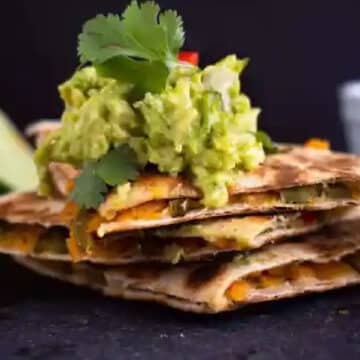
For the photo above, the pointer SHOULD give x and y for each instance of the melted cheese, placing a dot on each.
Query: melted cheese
(74, 249)
(145, 189)
(255, 199)
(269, 281)
(93, 223)
(71, 211)
(143, 201)
(278, 277)
(316, 143)
(234, 232)
(354, 188)
(298, 272)
(329, 271)
(239, 290)
(21, 238)
(148, 211)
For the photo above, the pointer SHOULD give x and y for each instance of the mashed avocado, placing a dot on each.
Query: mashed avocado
(200, 125)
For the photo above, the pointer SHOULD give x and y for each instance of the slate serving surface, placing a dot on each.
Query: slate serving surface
(46, 319)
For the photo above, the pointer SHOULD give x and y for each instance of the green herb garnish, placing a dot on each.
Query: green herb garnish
(117, 167)
(140, 46)
(242, 259)
(265, 139)
(89, 188)
(4, 189)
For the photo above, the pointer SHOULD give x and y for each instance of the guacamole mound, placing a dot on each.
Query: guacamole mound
(200, 125)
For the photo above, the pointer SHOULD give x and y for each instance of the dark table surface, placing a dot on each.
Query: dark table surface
(46, 319)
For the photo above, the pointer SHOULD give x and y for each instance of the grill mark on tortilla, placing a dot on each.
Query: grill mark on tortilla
(287, 174)
(149, 272)
(343, 164)
(340, 232)
(203, 274)
(260, 171)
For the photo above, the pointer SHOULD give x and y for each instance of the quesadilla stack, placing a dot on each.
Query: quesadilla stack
(313, 263)
(216, 263)
(157, 184)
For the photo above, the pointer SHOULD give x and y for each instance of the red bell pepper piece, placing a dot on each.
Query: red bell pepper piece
(308, 218)
(191, 57)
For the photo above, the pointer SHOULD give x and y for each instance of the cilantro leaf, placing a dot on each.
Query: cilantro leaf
(139, 72)
(115, 168)
(89, 189)
(140, 44)
(118, 166)
(4, 188)
(172, 23)
(101, 39)
(265, 139)
(143, 32)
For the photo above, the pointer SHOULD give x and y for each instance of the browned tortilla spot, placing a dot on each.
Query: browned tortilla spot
(204, 273)
(145, 272)
(288, 174)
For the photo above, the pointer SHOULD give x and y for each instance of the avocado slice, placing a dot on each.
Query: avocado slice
(17, 169)
(301, 195)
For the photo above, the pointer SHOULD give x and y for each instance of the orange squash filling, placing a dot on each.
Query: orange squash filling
(316, 143)
(23, 238)
(74, 249)
(240, 290)
(148, 211)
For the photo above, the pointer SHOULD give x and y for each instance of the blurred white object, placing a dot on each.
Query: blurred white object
(47, 126)
(41, 129)
(349, 98)
(17, 168)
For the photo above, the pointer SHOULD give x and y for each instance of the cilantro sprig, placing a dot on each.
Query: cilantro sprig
(265, 139)
(139, 46)
(4, 188)
(117, 167)
(89, 188)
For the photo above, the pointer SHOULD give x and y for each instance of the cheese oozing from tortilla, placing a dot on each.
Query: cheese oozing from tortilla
(281, 279)
(169, 244)
(239, 231)
(112, 210)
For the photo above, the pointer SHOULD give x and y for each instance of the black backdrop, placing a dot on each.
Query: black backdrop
(300, 51)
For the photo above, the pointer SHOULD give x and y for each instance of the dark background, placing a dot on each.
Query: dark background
(300, 51)
(42, 319)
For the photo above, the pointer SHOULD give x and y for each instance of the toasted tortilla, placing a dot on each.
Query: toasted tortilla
(155, 214)
(190, 242)
(316, 263)
(150, 201)
(293, 167)
(29, 208)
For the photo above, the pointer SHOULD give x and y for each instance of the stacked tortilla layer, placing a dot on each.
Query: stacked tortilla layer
(290, 227)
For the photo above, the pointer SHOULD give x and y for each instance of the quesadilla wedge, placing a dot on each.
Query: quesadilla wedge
(296, 178)
(29, 208)
(33, 226)
(313, 263)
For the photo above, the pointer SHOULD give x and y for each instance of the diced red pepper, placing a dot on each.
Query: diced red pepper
(191, 57)
(308, 218)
